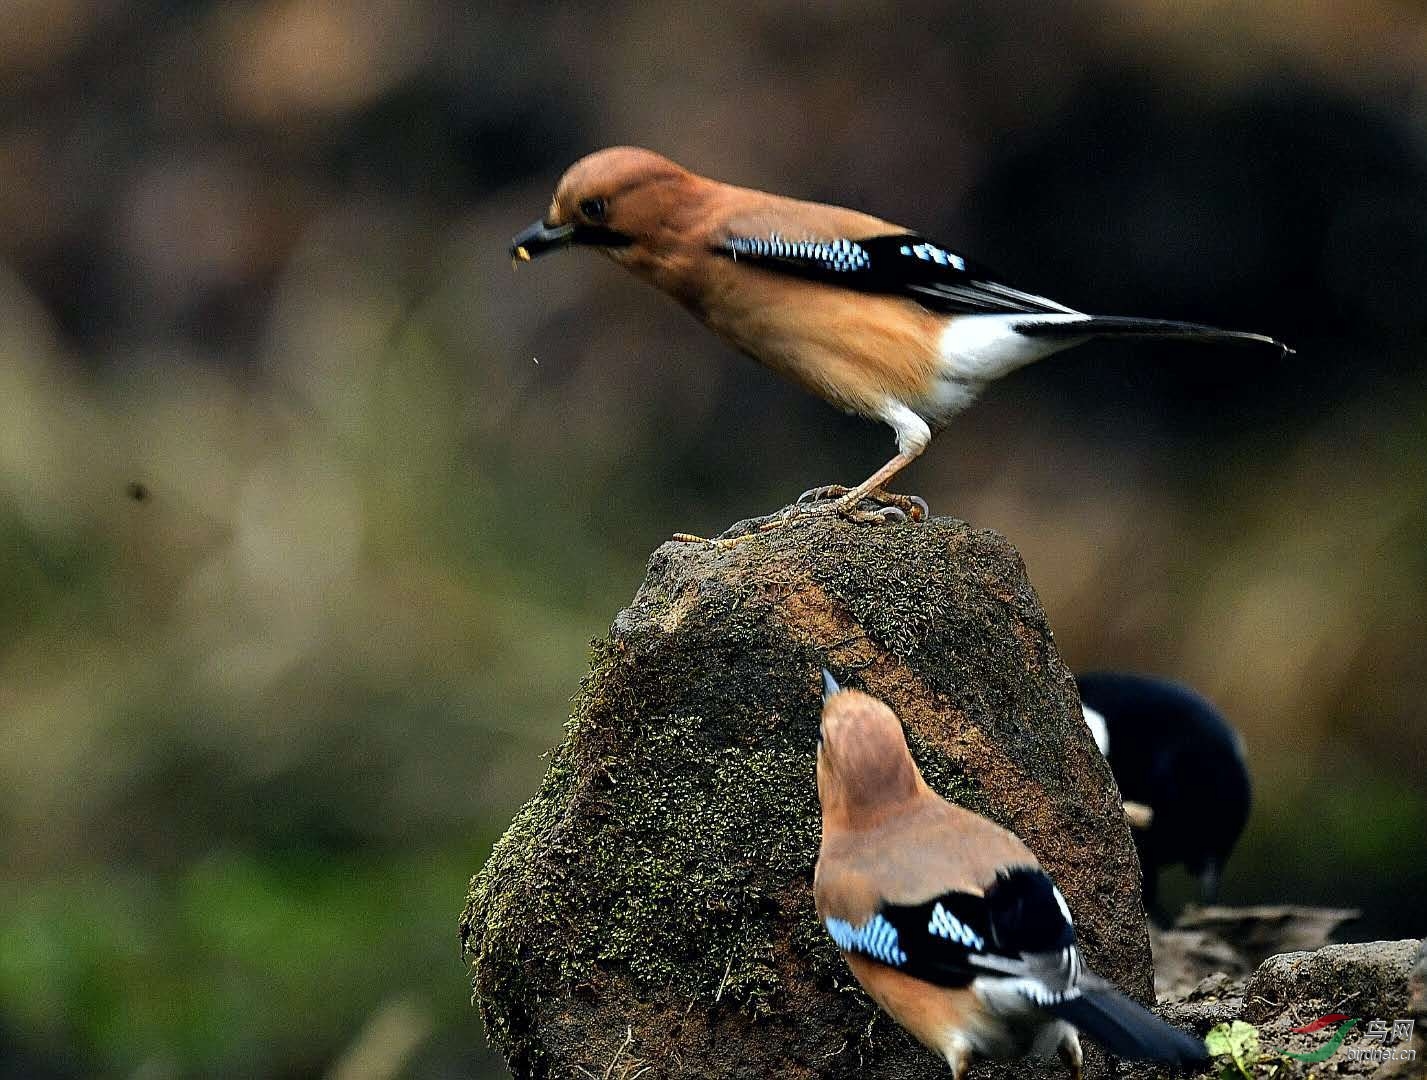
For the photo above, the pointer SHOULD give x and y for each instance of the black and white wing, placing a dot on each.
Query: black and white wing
(1020, 929)
(1017, 944)
(903, 265)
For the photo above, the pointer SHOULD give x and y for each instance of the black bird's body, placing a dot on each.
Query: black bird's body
(1170, 750)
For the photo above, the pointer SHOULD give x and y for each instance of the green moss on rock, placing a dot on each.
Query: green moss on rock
(659, 883)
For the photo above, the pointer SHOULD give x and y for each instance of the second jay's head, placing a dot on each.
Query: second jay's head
(863, 760)
(623, 201)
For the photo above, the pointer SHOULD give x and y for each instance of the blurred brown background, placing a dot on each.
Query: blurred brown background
(263, 713)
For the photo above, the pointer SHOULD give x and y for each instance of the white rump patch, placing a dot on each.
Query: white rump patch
(980, 348)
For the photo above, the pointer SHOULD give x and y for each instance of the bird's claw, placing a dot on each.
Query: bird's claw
(884, 516)
(907, 507)
(826, 491)
(893, 509)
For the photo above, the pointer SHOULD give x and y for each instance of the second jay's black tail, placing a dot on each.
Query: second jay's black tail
(1126, 1029)
(1127, 326)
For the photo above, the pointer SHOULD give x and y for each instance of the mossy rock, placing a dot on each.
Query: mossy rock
(651, 906)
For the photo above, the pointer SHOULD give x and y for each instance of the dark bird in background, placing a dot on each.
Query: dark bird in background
(947, 920)
(867, 314)
(1173, 754)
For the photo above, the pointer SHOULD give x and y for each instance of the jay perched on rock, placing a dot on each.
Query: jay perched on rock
(866, 314)
(947, 920)
(1180, 766)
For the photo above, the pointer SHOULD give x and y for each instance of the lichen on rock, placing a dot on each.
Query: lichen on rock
(651, 905)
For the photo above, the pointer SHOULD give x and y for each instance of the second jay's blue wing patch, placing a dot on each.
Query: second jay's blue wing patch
(1020, 929)
(876, 938)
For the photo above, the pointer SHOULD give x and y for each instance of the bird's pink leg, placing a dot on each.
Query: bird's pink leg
(872, 488)
(958, 1056)
(1069, 1051)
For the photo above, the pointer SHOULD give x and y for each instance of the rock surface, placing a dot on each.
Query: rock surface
(1233, 941)
(1417, 1011)
(1365, 981)
(651, 909)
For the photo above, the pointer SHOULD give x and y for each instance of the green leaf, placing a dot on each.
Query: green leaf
(1239, 1043)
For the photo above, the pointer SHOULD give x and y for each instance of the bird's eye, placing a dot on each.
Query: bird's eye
(593, 209)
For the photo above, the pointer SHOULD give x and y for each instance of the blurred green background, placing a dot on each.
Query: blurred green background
(309, 506)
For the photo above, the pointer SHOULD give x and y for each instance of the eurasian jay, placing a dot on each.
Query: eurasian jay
(868, 315)
(1175, 755)
(947, 920)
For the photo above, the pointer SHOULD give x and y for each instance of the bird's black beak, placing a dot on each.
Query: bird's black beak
(540, 238)
(830, 686)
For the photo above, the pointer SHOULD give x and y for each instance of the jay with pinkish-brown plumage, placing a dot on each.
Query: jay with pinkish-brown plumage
(868, 315)
(948, 921)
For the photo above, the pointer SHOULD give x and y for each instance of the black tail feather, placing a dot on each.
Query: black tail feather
(1126, 326)
(1128, 1030)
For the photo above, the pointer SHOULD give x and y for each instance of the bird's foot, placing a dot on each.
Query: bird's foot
(723, 543)
(830, 499)
(893, 514)
(894, 507)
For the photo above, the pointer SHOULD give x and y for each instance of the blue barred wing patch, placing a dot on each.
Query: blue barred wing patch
(876, 938)
(1019, 929)
(902, 264)
(838, 256)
